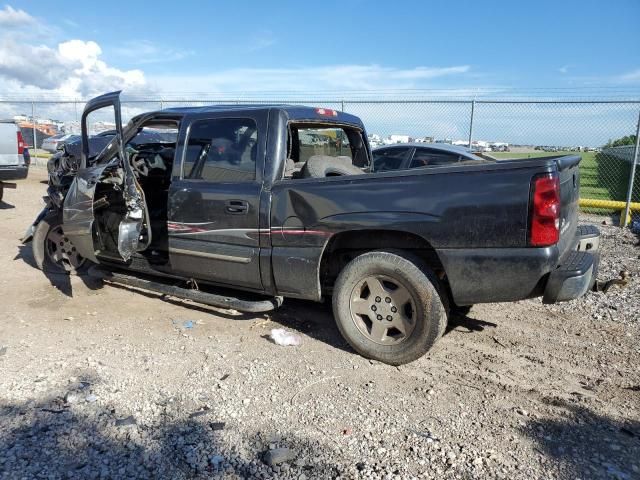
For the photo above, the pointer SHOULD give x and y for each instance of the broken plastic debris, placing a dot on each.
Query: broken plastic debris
(186, 325)
(281, 337)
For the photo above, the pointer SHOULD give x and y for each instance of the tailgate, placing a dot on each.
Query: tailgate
(569, 172)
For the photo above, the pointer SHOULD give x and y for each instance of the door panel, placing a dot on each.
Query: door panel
(207, 239)
(77, 212)
(214, 206)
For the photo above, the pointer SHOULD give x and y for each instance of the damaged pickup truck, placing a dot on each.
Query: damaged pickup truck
(274, 201)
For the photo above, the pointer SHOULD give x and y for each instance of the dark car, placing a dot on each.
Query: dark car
(281, 201)
(403, 156)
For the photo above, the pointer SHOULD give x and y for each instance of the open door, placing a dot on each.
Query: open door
(113, 169)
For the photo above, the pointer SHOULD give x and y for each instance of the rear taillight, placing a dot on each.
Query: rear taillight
(20, 143)
(545, 211)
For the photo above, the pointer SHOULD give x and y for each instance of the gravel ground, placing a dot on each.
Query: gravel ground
(105, 382)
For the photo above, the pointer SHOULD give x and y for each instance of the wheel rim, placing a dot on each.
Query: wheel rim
(61, 251)
(383, 309)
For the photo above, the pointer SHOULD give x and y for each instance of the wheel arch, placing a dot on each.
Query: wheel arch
(345, 246)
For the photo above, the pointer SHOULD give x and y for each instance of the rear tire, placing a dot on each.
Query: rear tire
(322, 166)
(53, 252)
(1, 191)
(389, 306)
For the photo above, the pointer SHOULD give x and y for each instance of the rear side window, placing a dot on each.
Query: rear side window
(221, 150)
(385, 159)
(428, 158)
(332, 142)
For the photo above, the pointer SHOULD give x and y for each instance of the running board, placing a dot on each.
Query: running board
(212, 299)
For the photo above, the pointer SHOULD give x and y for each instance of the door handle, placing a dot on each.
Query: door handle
(236, 207)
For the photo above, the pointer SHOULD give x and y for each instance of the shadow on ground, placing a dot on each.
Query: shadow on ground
(465, 322)
(6, 206)
(55, 439)
(587, 444)
(59, 280)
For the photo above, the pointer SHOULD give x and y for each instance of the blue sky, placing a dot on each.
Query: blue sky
(338, 49)
(336, 45)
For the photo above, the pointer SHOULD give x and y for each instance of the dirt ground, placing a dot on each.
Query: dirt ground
(105, 382)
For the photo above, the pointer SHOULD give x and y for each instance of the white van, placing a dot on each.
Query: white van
(14, 155)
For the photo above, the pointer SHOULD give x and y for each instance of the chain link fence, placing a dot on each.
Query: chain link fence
(610, 181)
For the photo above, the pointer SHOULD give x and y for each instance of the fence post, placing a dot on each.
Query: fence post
(473, 108)
(342, 102)
(624, 220)
(33, 119)
(161, 105)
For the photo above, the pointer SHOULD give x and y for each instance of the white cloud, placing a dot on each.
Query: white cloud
(309, 79)
(564, 69)
(42, 67)
(12, 18)
(145, 51)
(630, 77)
(261, 40)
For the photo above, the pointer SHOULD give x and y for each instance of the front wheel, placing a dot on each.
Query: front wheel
(52, 249)
(389, 306)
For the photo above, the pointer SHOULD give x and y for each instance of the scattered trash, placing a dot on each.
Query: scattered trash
(3, 351)
(125, 422)
(215, 426)
(68, 319)
(204, 410)
(622, 280)
(71, 397)
(91, 398)
(51, 410)
(278, 456)
(281, 337)
(185, 325)
(225, 376)
(427, 434)
(498, 342)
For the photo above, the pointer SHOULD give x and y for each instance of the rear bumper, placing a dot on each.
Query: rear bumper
(485, 275)
(13, 172)
(578, 270)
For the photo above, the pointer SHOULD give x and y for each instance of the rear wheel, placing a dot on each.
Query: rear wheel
(52, 249)
(1, 191)
(389, 306)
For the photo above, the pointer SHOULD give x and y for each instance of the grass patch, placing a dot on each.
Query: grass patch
(602, 177)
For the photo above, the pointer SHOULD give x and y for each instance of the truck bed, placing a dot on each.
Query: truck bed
(475, 218)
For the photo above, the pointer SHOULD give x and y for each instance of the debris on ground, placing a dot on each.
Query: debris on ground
(125, 422)
(281, 337)
(278, 456)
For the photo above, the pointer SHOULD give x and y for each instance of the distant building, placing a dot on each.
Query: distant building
(392, 139)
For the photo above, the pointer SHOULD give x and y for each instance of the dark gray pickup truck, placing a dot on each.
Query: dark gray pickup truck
(279, 201)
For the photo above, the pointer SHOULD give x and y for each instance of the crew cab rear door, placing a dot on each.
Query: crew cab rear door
(78, 213)
(214, 203)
